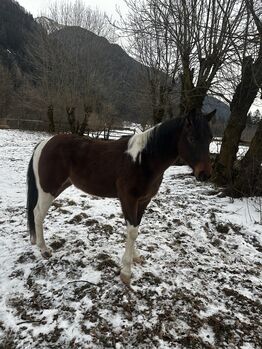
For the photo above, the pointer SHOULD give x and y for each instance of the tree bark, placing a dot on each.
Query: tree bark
(71, 119)
(244, 96)
(192, 97)
(247, 181)
(84, 124)
(50, 116)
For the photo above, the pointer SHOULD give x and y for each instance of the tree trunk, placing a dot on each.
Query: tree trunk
(244, 96)
(158, 94)
(71, 119)
(247, 180)
(192, 97)
(84, 125)
(50, 116)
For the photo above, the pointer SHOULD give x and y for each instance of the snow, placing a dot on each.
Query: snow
(199, 286)
(207, 334)
(215, 147)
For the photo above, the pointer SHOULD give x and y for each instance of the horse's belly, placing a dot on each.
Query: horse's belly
(101, 190)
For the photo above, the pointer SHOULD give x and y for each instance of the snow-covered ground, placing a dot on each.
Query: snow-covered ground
(215, 147)
(199, 287)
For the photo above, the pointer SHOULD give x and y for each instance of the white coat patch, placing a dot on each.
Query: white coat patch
(138, 142)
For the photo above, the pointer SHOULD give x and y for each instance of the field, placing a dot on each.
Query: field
(199, 285)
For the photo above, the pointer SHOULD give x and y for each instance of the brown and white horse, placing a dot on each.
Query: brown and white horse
(130, 169)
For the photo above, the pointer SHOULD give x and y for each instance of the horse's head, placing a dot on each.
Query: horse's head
(194, 143)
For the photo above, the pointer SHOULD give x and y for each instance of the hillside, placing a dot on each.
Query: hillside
(107, 68)
(16, 31)
(43, 63)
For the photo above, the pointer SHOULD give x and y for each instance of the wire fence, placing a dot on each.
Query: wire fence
(42, 125)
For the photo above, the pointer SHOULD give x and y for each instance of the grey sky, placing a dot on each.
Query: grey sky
(35, 7)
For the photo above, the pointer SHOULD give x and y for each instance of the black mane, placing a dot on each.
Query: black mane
(161, 137)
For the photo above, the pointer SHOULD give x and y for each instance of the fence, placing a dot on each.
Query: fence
(42, 125)
(3, 124)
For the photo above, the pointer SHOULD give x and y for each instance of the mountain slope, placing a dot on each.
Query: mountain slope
(113, 74)
(16, 31)
(50, 64)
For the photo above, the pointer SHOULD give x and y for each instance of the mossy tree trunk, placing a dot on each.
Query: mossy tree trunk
(247, 181)
(246, 91)
(193, 95)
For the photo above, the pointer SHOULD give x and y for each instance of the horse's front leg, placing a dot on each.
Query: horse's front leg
(142, 205)
(129, 207)
(127, 260)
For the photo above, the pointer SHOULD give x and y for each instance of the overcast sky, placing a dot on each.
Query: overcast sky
(35, 7)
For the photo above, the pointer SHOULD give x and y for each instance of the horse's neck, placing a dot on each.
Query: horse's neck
(159, 166)
(165, 145)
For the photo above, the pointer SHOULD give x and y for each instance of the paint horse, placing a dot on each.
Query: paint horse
(130, 169)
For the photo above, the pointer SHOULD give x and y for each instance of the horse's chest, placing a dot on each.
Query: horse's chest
(146, 188)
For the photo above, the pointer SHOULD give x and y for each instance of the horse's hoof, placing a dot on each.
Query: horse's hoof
(46, 254)
(125, 278)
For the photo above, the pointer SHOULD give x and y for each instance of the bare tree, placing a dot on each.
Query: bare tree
(245, 93)
(247, 181)
(149, 44)
(76, 13)
(189, 42)
(217, 48)
(202, 31)
(62, 87)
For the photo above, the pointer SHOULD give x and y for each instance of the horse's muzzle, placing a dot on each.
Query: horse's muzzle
(203, 176)
(202, 172)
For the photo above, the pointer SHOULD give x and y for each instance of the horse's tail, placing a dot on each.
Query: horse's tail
(32, 197)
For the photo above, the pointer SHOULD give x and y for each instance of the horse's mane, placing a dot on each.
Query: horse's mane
(154, 141)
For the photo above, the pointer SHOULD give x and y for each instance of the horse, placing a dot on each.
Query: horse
(130, 169)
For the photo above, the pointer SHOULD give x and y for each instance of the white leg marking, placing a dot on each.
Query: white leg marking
(43, 203)
(127, 260)
(136, 256)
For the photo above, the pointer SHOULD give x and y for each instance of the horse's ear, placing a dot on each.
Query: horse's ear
(209, 116)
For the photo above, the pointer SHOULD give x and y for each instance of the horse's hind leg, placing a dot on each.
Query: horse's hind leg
(44, 202)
